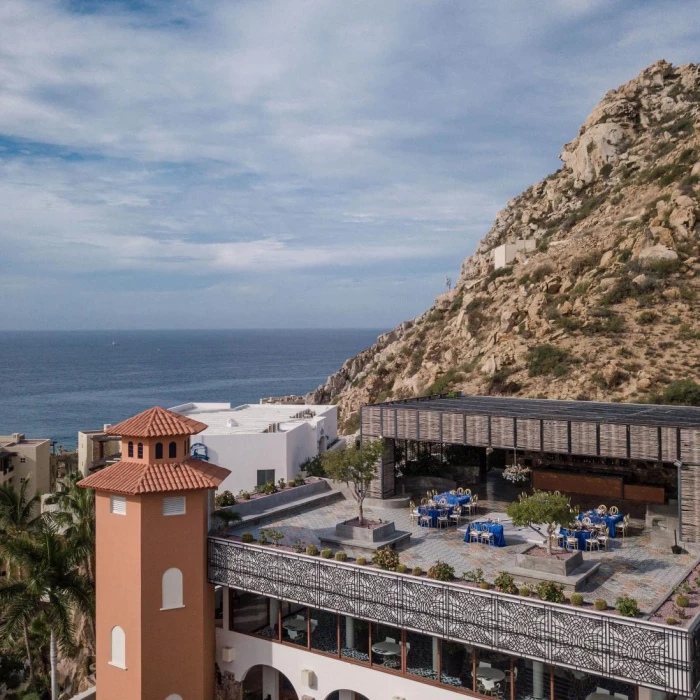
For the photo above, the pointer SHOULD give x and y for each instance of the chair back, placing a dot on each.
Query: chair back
(614, 510)
(586, 521)
(457, 510)
(453, 492)
(475, 499)
(467, 492)
(602, 508)
(460, 491)
(411, 505)
(391, 640)
(423, 501)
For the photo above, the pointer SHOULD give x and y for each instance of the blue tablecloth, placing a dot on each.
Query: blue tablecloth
(453, 500)
(609, 520)
(498, 539)
(580, 535)
(433, 513)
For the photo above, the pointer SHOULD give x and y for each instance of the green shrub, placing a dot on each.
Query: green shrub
(646, 318)
(441, 571)
(485, 585)
(576, 599)
(385, 558)
(327, 553)
(606, 169)
(501, 272)
(351, 424)
(583, 263)
(505, 583)
(627, 606)
(341, 556)
(417, 571)
(401, 568)
(682, 601)
(525, 591)
(224, 499)
(474, 575)
(312, 550)
(361, 561)
(671, 620)
(525, 279)
(244, 495)
(550, 591)
(547, 359)
(247, 537)
(269, 488)
(600, 604)
(299, 546)
(684, 392)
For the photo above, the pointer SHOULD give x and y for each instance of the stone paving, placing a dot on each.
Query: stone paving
(634, 565)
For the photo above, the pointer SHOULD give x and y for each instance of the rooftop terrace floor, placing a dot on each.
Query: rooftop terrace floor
(634, 565)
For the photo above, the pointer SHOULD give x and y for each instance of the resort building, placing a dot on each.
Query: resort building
(97, 449)
(23, 458)
(261, 443)
(292, 625)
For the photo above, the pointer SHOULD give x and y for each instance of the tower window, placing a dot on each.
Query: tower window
(118, 651)
(139, 450)
(117, 505)
(174, 505)
(159, 450)
(174, 696)
(130, 449)
(172, 450)
(172, 589)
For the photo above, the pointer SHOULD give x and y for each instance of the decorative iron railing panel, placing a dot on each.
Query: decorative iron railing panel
(637, 651)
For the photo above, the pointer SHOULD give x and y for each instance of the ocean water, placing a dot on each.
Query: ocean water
(53, 384)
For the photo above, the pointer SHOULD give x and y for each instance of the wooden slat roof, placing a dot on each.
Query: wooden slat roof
(549, 409)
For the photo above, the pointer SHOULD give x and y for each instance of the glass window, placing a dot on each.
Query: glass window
(130, 449)
(172, 450)
(421, 656)
(139, 450)
(324, 631)
(159, 450)
(493, 674)
(266, 476)
(386, 646)
(354, 639)
(219, 606)
(294, 627)
(249, 612)
(531, 679)
(577, 684)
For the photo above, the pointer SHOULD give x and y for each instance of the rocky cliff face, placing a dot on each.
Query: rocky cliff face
(606, 305)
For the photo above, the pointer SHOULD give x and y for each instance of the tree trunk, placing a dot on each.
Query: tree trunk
(30, 660)
(54, 666)
(362, 517)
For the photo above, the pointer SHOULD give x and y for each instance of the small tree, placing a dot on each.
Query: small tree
(357, 467)
(542, 508)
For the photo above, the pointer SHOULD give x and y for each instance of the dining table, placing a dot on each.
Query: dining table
(433, 513)
(490, 673)
(609, 520)
(386, 648)
(498, 539)
(580, 535)
(453, 499)
(294, 624)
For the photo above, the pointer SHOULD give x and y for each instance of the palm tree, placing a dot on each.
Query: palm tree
(76, 519)
(50, 583)
(19, 514)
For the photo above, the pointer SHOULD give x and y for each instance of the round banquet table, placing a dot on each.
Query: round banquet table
(386, 648)
(294, 625)
(491, 674)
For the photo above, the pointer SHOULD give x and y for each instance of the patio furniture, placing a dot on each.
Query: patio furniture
(453, 499)
(581, 537)
(414, 514)
(430, 515)
(571, 542)
(602, 509)
(473, 533)
(614, 510)
(460, 491)
(488, 673)
(498, 539)
(486, 536)
(453, 492)
(425, 519)
(592, 543)
(456, 515)
(387, 648)
(604, 539)
(443, 520)
(609, 521)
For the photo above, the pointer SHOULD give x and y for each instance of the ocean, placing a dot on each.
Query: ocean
(55, 383)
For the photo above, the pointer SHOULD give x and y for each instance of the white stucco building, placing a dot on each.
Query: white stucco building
(261, 442)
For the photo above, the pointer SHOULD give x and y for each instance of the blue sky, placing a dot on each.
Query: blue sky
(284, 163)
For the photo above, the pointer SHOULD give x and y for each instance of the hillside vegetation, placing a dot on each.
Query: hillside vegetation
(606, 307)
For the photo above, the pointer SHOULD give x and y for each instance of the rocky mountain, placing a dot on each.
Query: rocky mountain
(605, 303)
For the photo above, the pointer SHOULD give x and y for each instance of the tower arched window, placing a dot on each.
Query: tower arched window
(130, 449)
(159, 450)
(172, 450)
(118, 647)
(174, 696)
(139, 450)
(172, 589)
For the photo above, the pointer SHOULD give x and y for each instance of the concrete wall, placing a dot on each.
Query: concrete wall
(36, 465)
(505, 254)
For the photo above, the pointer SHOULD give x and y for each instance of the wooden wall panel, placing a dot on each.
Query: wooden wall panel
(477, 430)
(556, 436)
(574, 482)
(613, 440)
(429, 425)
(669, 444)
(644, 442)
(645, 494)
(584, 438)
(406, 424)
(690, 445)
(502, 432)
(529, 434)
(453, 428)
(690, 503)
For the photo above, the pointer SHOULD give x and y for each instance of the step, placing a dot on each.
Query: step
(303, 504)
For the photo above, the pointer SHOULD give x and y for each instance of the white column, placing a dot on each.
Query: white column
(270, 683)
(537, 679)
(349, 635)
(346, 695)
(435, 654)
(274, 609)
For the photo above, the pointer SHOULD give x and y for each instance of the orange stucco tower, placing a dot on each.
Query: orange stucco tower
(155, 609)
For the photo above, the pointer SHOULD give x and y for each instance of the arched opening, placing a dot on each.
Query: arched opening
(159, 450)
(130, 449)
(174, 696)
(172, 589)
(118, 647)
(172, 450)
(261, 681)
(345, 695)
(139, 450)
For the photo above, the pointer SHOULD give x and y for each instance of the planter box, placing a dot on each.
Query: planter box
(549, 565)
(257, 506)
(347, 531)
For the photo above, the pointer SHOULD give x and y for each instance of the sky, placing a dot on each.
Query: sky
(285, 163)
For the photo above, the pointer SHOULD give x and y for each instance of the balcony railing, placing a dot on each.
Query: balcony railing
(645, 653)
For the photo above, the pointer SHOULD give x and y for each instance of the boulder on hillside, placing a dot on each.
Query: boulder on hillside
(655, 253)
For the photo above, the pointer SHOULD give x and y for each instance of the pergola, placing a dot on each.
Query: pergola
(660, 434)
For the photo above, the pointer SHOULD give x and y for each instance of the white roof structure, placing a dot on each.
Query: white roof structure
(223, 419)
